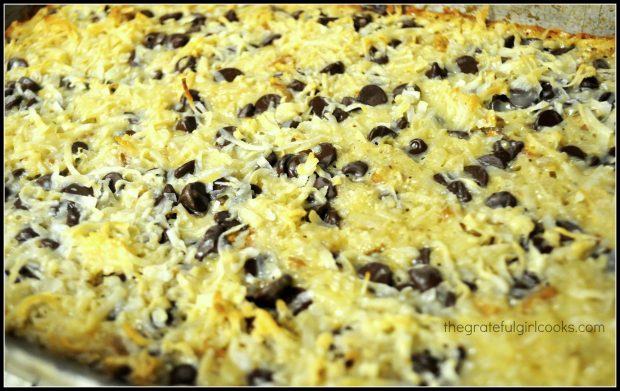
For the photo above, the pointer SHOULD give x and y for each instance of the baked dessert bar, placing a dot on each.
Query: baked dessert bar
(310, 195)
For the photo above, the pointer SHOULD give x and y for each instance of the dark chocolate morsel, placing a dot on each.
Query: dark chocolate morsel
(501, 199)
(194, 198)
(378, 273)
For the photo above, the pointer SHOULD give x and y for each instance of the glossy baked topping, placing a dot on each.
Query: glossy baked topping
(304, 195)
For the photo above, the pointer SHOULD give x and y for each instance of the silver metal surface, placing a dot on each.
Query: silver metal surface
(594, 19)
(36, 367)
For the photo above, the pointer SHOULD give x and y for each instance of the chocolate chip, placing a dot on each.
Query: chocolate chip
(76, 189)
(542, 245)
(409, 23)
(194, 198)
(77, 146)
(467, 64)
(325, 20)
(509, 42)
(425, 277)
(26, 234)
(265, 102)
(18, 172)
(152, 40)
(113, 177)
(436, 72)
(231, 16)
(493, 160)
(147, 13)
(268, 40)
(25, 272)
(372, 95)
(326, 154)
(178, 40)
(183, 374)
(293, 162)
(377, 59)
(321, 182)
(460, 190)
(334, 68)
(272, 158)
(379, 132)
(317, 106)
(402, 123)
(208, 244)
(187, 124)
(590, 83)
(607, 97)
(27, 83)
(425, 362)
(197, 23)
(378, 272)
(478, 173)
(568, 225)
(49, 243)
(19, 204)
(348, 100)
(394, 43)
(600, 64)
(331, 217)
(501, 199)
(560, 51)
(259, 376)
(295, 15)
(425, 256)
(282, 165)
(500, 103)
(73, 214)
(574, 151)
(416, 147)
(267, 296)
(355, 169)
(594, 161)
(252, 266)
(13, 102)
(173, 15)
(340, 114)
(524, 285)
(446, 298)
(297, 85)
(186, 168)
(523, 98)
(227, 130)
(507, 149)
(547, 91)
(548, 118)
(222, 216)
(256, 190)
(401, 88)
(16, 62)
(187, 62)
(247, 111)
(45, 181)
(361, 21)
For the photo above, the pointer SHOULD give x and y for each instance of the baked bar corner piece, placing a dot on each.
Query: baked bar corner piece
(310, 195)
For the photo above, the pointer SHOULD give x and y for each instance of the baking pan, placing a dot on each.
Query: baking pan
(36, 367)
